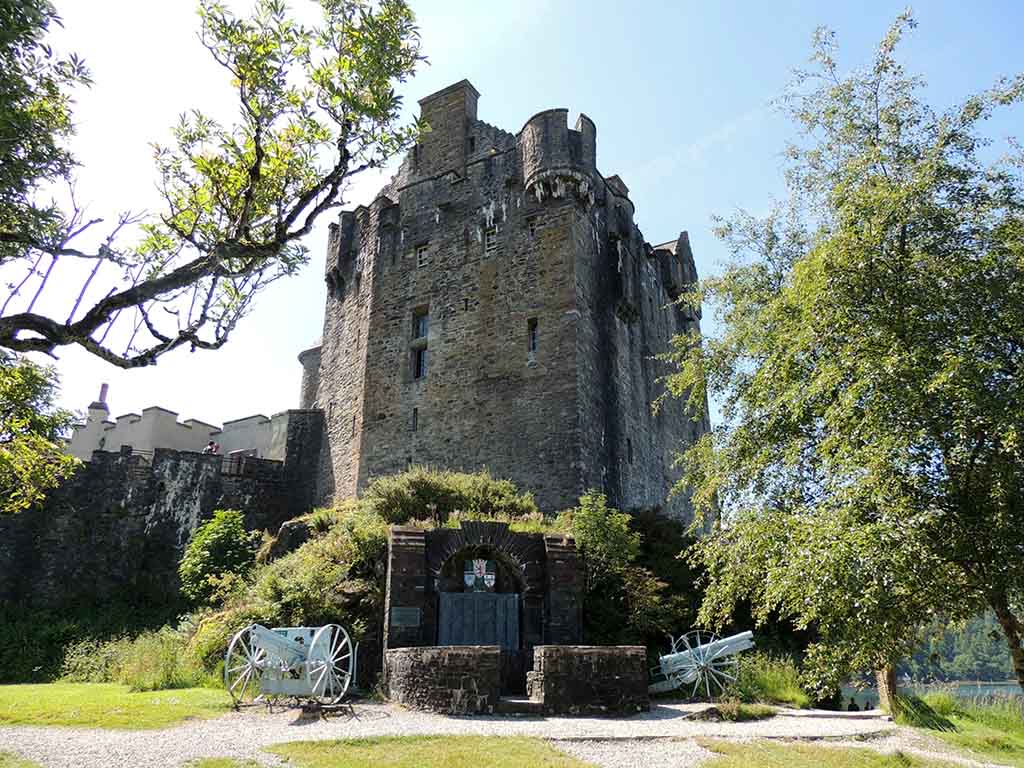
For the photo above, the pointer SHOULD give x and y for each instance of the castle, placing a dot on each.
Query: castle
(496, 306)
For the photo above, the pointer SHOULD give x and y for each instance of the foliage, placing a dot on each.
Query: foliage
(421, 493)
(32, 458)
(624, 600)
(316, 105)
(33, 641)
(105, 705)
(974, 650)
(35, 117)
(151, 661)
(335, 577)
(774, 754)
(219, 547)
(772, 680)
(426, 752)
(735, 711)
(869, 468)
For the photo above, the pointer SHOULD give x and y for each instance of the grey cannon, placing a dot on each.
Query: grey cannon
(702, 660)
(315, 663)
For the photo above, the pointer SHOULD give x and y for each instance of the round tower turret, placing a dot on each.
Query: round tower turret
(310, 361)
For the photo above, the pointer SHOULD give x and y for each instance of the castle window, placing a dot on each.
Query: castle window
(491, 240)
(472, 144)
(531, 225)
(415, 419)
(422, 255)
(420, 323)
(629, 450)
(420, 329)
(353, 425)
(532, 336)
(419, 363)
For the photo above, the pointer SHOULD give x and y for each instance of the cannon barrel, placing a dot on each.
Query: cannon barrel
(726, 646)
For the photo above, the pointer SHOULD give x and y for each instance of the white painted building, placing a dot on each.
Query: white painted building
(158, 427)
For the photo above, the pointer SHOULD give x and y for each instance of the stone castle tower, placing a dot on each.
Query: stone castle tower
(496, 306)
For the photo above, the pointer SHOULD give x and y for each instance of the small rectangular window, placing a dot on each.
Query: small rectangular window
(420, 324)
(415, 419)
(419, 363)
(629, 450)
(531, 225)
(422, 255)
(472, 144)
(491, 240)
(532, 335)
(353, 425)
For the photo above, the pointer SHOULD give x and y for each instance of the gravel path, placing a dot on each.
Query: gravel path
(642, 740)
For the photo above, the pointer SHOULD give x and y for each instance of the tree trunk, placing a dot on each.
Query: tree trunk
(886, 680)
(1013, 629)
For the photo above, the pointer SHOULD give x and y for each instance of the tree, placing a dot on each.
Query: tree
(221, 548)
(316, 106)
(870, 365)
(32, 457)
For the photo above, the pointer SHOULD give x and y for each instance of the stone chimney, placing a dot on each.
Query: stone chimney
(101, 403)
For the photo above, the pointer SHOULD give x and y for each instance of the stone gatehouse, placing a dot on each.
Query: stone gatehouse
(526, 593)
(496, 306)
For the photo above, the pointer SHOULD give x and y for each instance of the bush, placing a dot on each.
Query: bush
(221, 547)
(337, 577)
(424, 494)
(767, 679)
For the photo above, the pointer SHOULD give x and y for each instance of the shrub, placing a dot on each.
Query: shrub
(767, 679)
(153, 660)
(219, 547)
(424, 494)
(334, 578)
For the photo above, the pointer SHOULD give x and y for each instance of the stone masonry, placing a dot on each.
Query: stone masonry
(496, 306)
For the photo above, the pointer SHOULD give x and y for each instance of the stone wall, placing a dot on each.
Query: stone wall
(589, 679)
(545, 307)
(457, 680)
(118, 527)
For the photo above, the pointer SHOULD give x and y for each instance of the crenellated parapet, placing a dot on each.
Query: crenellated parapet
(557, 161)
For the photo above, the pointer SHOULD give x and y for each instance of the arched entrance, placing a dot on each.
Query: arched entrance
(479, 600)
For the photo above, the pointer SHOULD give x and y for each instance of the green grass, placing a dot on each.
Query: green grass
(105, 705)
(221, 762)
(991, 730)
(772, 754)
(427, 752)
(7, 760)
(763, 678)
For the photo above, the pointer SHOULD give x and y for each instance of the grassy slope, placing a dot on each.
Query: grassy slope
(1004, 745)
(427, 752)
(102, 705)
(772, 754)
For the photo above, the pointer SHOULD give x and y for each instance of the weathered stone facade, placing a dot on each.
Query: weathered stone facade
(119, 526)
(589, 679)
(496, 306)
(456, 680)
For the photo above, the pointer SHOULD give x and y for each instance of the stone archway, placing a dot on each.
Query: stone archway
(541, 569)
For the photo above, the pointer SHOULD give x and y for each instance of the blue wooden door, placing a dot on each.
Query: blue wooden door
(479, 618)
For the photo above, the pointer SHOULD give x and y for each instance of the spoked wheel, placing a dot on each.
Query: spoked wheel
(709, 670)
(242, 668)
(330, 672)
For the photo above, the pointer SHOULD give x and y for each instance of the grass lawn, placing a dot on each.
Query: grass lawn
(103, 705)
(1002, 744)
(772, 754)
(7, 760)
(427, 752)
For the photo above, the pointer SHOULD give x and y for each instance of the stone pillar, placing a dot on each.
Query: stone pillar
(564, 610)
(406, 588)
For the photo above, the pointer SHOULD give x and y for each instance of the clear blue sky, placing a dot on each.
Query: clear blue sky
(679, 92)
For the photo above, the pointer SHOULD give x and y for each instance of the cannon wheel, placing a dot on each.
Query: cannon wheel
(330, 676)
(242, 668)
(707, 670)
